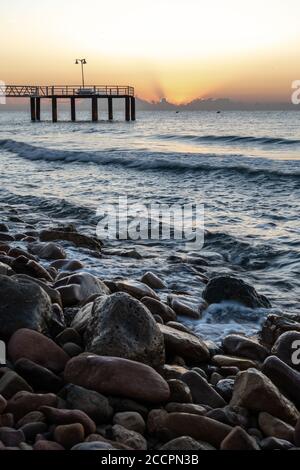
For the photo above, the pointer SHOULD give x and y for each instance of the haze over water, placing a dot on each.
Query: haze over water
(244, 166)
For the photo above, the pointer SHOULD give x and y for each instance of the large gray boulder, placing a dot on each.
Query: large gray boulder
(228, 288)
(23, 304)
(122, 326)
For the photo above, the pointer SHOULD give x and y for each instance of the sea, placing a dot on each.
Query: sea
(242, 167)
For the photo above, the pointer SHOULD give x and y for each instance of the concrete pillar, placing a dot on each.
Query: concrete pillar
(73, 109)
(110, 109)
(127, 108)
(133, 108)
(54, 109)
(32, 109)
(94, 109)
(38, 108)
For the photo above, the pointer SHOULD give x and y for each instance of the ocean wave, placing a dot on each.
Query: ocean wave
(231, 139)
(151, 160)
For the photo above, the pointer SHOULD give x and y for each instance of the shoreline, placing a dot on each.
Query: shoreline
(148, 382)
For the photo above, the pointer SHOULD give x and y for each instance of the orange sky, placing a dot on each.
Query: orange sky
(247, 50)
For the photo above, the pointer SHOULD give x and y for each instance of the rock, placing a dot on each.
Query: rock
(254, 391)
(228, 361)
(232, 416)
(184, 308)
(71, 236)
(23, 265)
(24, 402)
(52, 293)
(5, 270)
(240, 440)
(7, 420)
(40, 378)
(131, 421)
(31, 418)
(47, 446)
(271, 443)
(274, 326)
(63, 417)
(72, 349)
(185, 345)
(185, 443)
(120, 377)
(37, 348)
(82, 317)
(11, 383)
(170, 372)
(179, 326)
(153, 281)
(5, 237)
(136, 289)
(129, 438)
(284, 348)
(77, 288)
(274, 427)
(93, 446)
(69, 435)
(69, 335)
(236, 345)
(11, 437)
(180, 392)
(48, 251)
(224, 288)
(4, 228)
(67, 265)
(156, 307)
(284, 377)
(121, 405)
(31, 430)
(225, 389)
(3, 404)
(197, 427)
(120, 326)
(23, 305)
(202, 392)
(296, 438)
(95, 405)
(186, 408)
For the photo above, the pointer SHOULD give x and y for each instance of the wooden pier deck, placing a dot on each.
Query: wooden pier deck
(73, 93)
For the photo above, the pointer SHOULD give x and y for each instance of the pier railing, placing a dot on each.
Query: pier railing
(24, 91)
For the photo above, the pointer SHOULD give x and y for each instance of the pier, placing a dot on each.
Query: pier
(72, 92)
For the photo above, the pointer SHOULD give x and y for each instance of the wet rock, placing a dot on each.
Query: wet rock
(284, 377)
(185, 345)
(16, 252)
(11, 437)
(4, 228)
(48, 251)
(184, 308)
(67, 265)
(156, 307)
(95, 405)
(5, 237)
(71, 236)
(274, 427)
(153, 281)
(120, 326)
(228, 361)
(115, 376)
(63, 417)
(185, 443)
(69, 435)
(23, 305)
(240, 440)
(136, 289)
(23, 265)
(286, 347)
(5, 270)
(236, 345)
(271, 443)
(40, 378)
(130, 420)
(274, 326)
(25, 402)
(37, 348)
(11, 383)
(202, 392)
(224, 288)
(180, 392)
(129, 438)
(79, 287)
(254, 391)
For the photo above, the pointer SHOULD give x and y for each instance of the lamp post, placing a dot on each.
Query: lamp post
(82, 62)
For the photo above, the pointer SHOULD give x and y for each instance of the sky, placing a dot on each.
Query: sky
(178, 49)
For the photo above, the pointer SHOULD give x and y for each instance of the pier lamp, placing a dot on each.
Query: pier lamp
(82, 62)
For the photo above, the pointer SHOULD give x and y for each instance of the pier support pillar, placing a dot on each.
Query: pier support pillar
(54, 109)
(73, 109)
(32, 109)
(38, 108)
(94, 109)
(132, 108)
(127, 108)
(110, 109)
